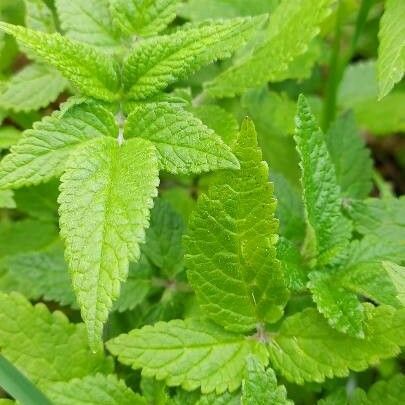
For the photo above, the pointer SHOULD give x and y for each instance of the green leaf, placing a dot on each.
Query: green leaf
(353, 165)
(192, 353)
(87, 21)
(163, 245)
(291, 29)
(321, 192)
(92, 72)
(227, 398)
(306, 348)
(93, 390)
(143, 17)
(230, 245)
(260, 386)
(391, 51)
(38, 16)
(341, 307)
(160, 61)
(184, 144)
(44, 345)
(32, 88)
(42, 152)
(106, 194)
(7, 199)
(8, 136)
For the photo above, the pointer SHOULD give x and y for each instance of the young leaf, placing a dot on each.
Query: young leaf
(391, 51)
(87, 21)
(92, 72)
(321, 192)
(42, 152)
(8, 136)
(230, 245)
(353, 165)
(192, 353)
(306, 348)
(184, 143)
(38, 16)
(143, 17)
(32, 88)
(292, 27)
(43, 345)
(160, 61)
(260, 386)
(106, 193)
(93, 390)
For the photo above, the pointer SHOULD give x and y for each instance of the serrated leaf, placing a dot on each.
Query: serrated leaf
(160, 61)
(38, 16)
(44, 345)
(391, 51)
(306, 348)
(87, 21)
(230, 245)
(106, 194)
(92, 72)
(227, 398)
(93, 390)
(32, 88)
(260, 386)
(143, 17)
(184, 144)
(291, 29)
(340, 307)
(42, 152)
(7, 199)
(321, 192)
(192, 353)
(353, 165)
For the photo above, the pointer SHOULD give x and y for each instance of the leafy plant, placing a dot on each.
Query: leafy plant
(219, 259)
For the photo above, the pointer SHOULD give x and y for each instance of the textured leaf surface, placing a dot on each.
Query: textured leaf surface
(157, 62)
(106, 194)
(183, 142)
(44, 345)
(391, 51)
(353, 165)
(191, 353)
(93, 390)
(292, 27)
(143, 17)
(87, 21)
(42, 152)
(38, 16)
(230, 245)
(321, 191)
(92, 72)
(341, 307)
(260, 386)
(32, 88)
(306, 348)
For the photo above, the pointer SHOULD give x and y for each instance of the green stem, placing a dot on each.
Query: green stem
(18, 386)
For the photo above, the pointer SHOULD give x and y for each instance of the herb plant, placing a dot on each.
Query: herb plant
(189, 211)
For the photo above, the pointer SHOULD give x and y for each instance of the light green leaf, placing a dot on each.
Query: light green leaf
(391, 51)
(192, 353)
(87, 21)
(292, 27)
(93, 390)
(163, 245)
(184, 144)
(230, 245)
(260, 386)
(227, 398)
(158, 62)
(42, 152)
(8, 136)
(353, 165)
(306, 348)
(7, 199)
(143, 17)
(106, 194)
(397, 276)
(340, 307)
(44, 345)
(38, 16)
(92, 72)
(321, 191)
(32, 88)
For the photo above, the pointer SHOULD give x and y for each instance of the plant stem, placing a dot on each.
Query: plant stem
(18, 386)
